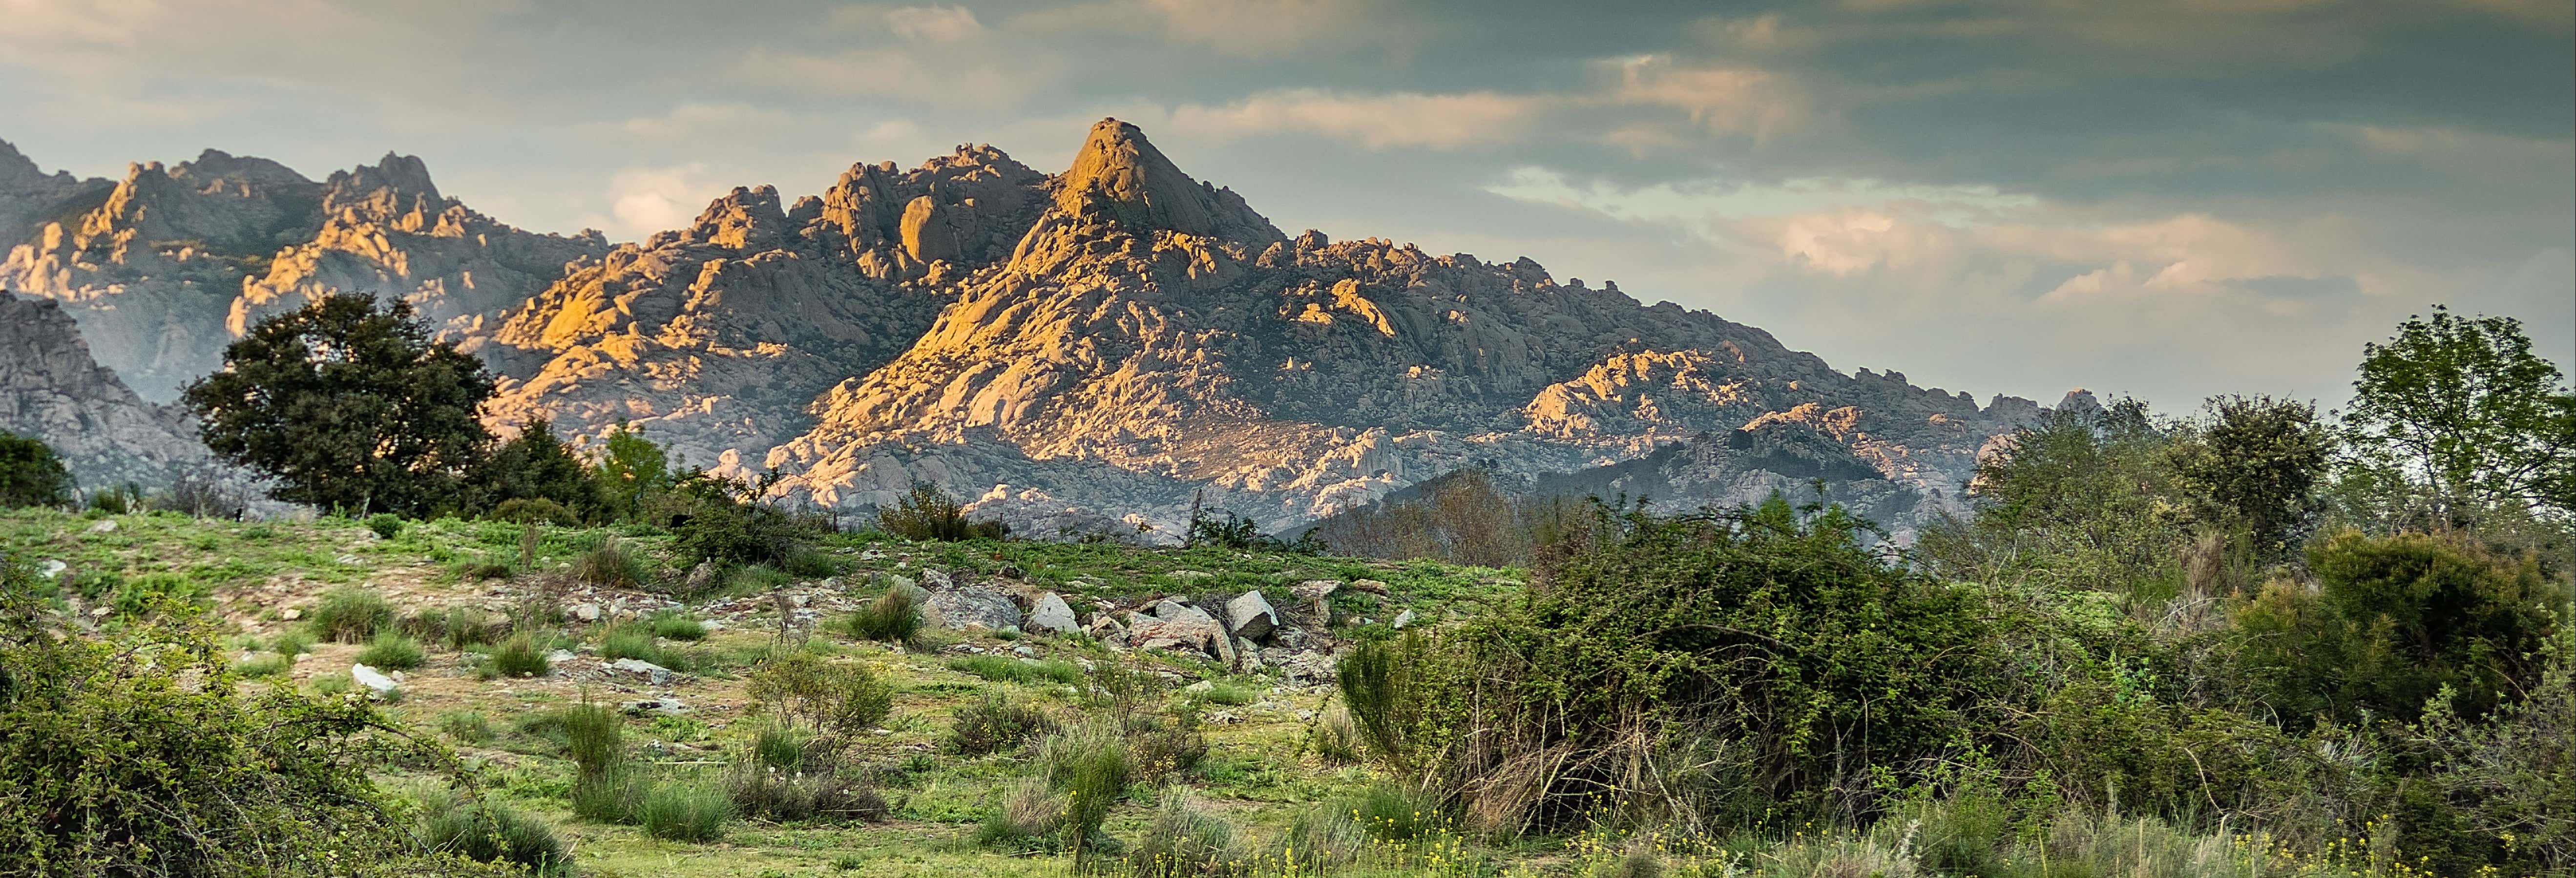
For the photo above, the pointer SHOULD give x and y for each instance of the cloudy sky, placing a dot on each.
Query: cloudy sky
(2171, 199)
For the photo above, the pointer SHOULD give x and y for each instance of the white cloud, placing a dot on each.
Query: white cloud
(934, 24)
(1726, 101)
(689, 119)
(647, 200)
(1269, 28)
(1404, 119)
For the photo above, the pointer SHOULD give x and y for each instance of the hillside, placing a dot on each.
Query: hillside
(1090, 352)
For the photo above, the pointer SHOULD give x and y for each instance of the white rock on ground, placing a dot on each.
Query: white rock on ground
(1051, 615)
(1251, 616)
(368, 677)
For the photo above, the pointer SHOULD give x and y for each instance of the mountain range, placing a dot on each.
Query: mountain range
(1086, 352)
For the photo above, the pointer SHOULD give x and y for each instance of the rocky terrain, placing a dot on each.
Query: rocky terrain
(1088, 352)
(52, 390)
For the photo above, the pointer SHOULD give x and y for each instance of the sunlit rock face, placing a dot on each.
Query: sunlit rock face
(1085, 352)
(163, 268)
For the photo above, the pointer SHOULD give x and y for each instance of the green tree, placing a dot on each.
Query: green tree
(632, 469)
(31, 474)
(350, 406)
(539, 466)
(2081, 501)
(2463, 405)
(2254, 465)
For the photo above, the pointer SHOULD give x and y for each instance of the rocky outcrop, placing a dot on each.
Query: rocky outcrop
(172, 262)
(52, 390)
(1090, 353)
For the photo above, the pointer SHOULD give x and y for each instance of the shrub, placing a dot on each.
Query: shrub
(351, 615)
(1001, 669)
(386, 525)
(1185, 839)
(686, 811)
(721, 527)
(594, 736)
(1228, 694)
(1090, 765)
(841, 698)
(614, 795)
(993, 724)
(810, 564)
(487, 568)
(925, 513)
(534, 510)
(391, 650)
(293, 643)
(779, 747)
(677, 627)
(894, 617)
(1334, 739)
(490, 832)
(134, 751)
(31, 474)
(611, 565)
(519, 656)
(1026, 822)
(778, 794)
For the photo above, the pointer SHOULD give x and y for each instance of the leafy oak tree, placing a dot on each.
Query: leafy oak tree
(350, 405)
(2463, 407)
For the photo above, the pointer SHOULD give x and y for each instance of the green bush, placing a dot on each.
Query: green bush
(31, 474)
(1026, 821)
(386, 525)
(838, 698)
(351, 615)
(1091, 767)
(614, 795)
(1003, 669)
(628, 641)
(391, 651)
(294, 642)
(894, 617)
(534, 510)
(810, 564)
(2396, 620)
(519, 656)
(779, 794)
(1229, 694)
(135, 751)
(1334, 739)
(720, 525)
(493, 833)
(779, 747)
(263, 666)
(594, 736)
(993, 724)
(926, 513)
(686, 811)
(611, 565)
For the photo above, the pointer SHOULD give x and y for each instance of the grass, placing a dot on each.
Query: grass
(493, 833)
(518, 657)
(686, 811)
(465, 726)
(612, 565)
(894, 617)
(391, 651)
(263, 666)
(351, 615)
(674, 626)
(1013, 670)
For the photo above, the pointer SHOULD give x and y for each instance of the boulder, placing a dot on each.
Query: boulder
(701, 577)
(1402, 619)
(656, 673)
(934, 578)
(663, 706)
(104, 526)
(1170, 610)
(1051, 615)
(961, 609)
(586, 612)
(1250, 616)
(1192, 630)
(370, 678)
(1370, 585)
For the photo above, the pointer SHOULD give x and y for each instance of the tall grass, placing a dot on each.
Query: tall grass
(351, 615)
(686, 811)
(489, 832)
(391, 651)
(894, 617)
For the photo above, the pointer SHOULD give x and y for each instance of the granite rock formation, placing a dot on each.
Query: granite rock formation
(51, 390)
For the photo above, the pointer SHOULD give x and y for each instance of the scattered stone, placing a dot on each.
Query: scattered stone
(586, 612)
(932, 577)
(54, 568)
(560, 655)
(702, 576)
(1247, 655)
(1200, 688)
(1370, 585)
(1251, 616)
(348, 561)
(368, 677)
(1189, 574)
(1402, 619)
(104, 526)
(1012, 571)
(1024, 652)
(657, 673)
(1170, 610)
(1194, 630)
(960, 609)
(663, 706)
(1051, 615)
(291, 614)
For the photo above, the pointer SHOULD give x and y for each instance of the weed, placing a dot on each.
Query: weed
(1089, 764)
(894, 617)
(628, 641)
(518, 656)
(1185, 839)
(293, 643)
(611, 565)
(351, 615)
(677, 627)
(490, 832)
(594, 736)
(263, 666)
(686, 811)
(994, 724)
(465, 726)
(391, 650)
(385, 524)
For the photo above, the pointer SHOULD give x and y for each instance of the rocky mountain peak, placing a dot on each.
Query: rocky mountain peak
(17, 171)
(1119, 175)
(395, 182)
(748, 218)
